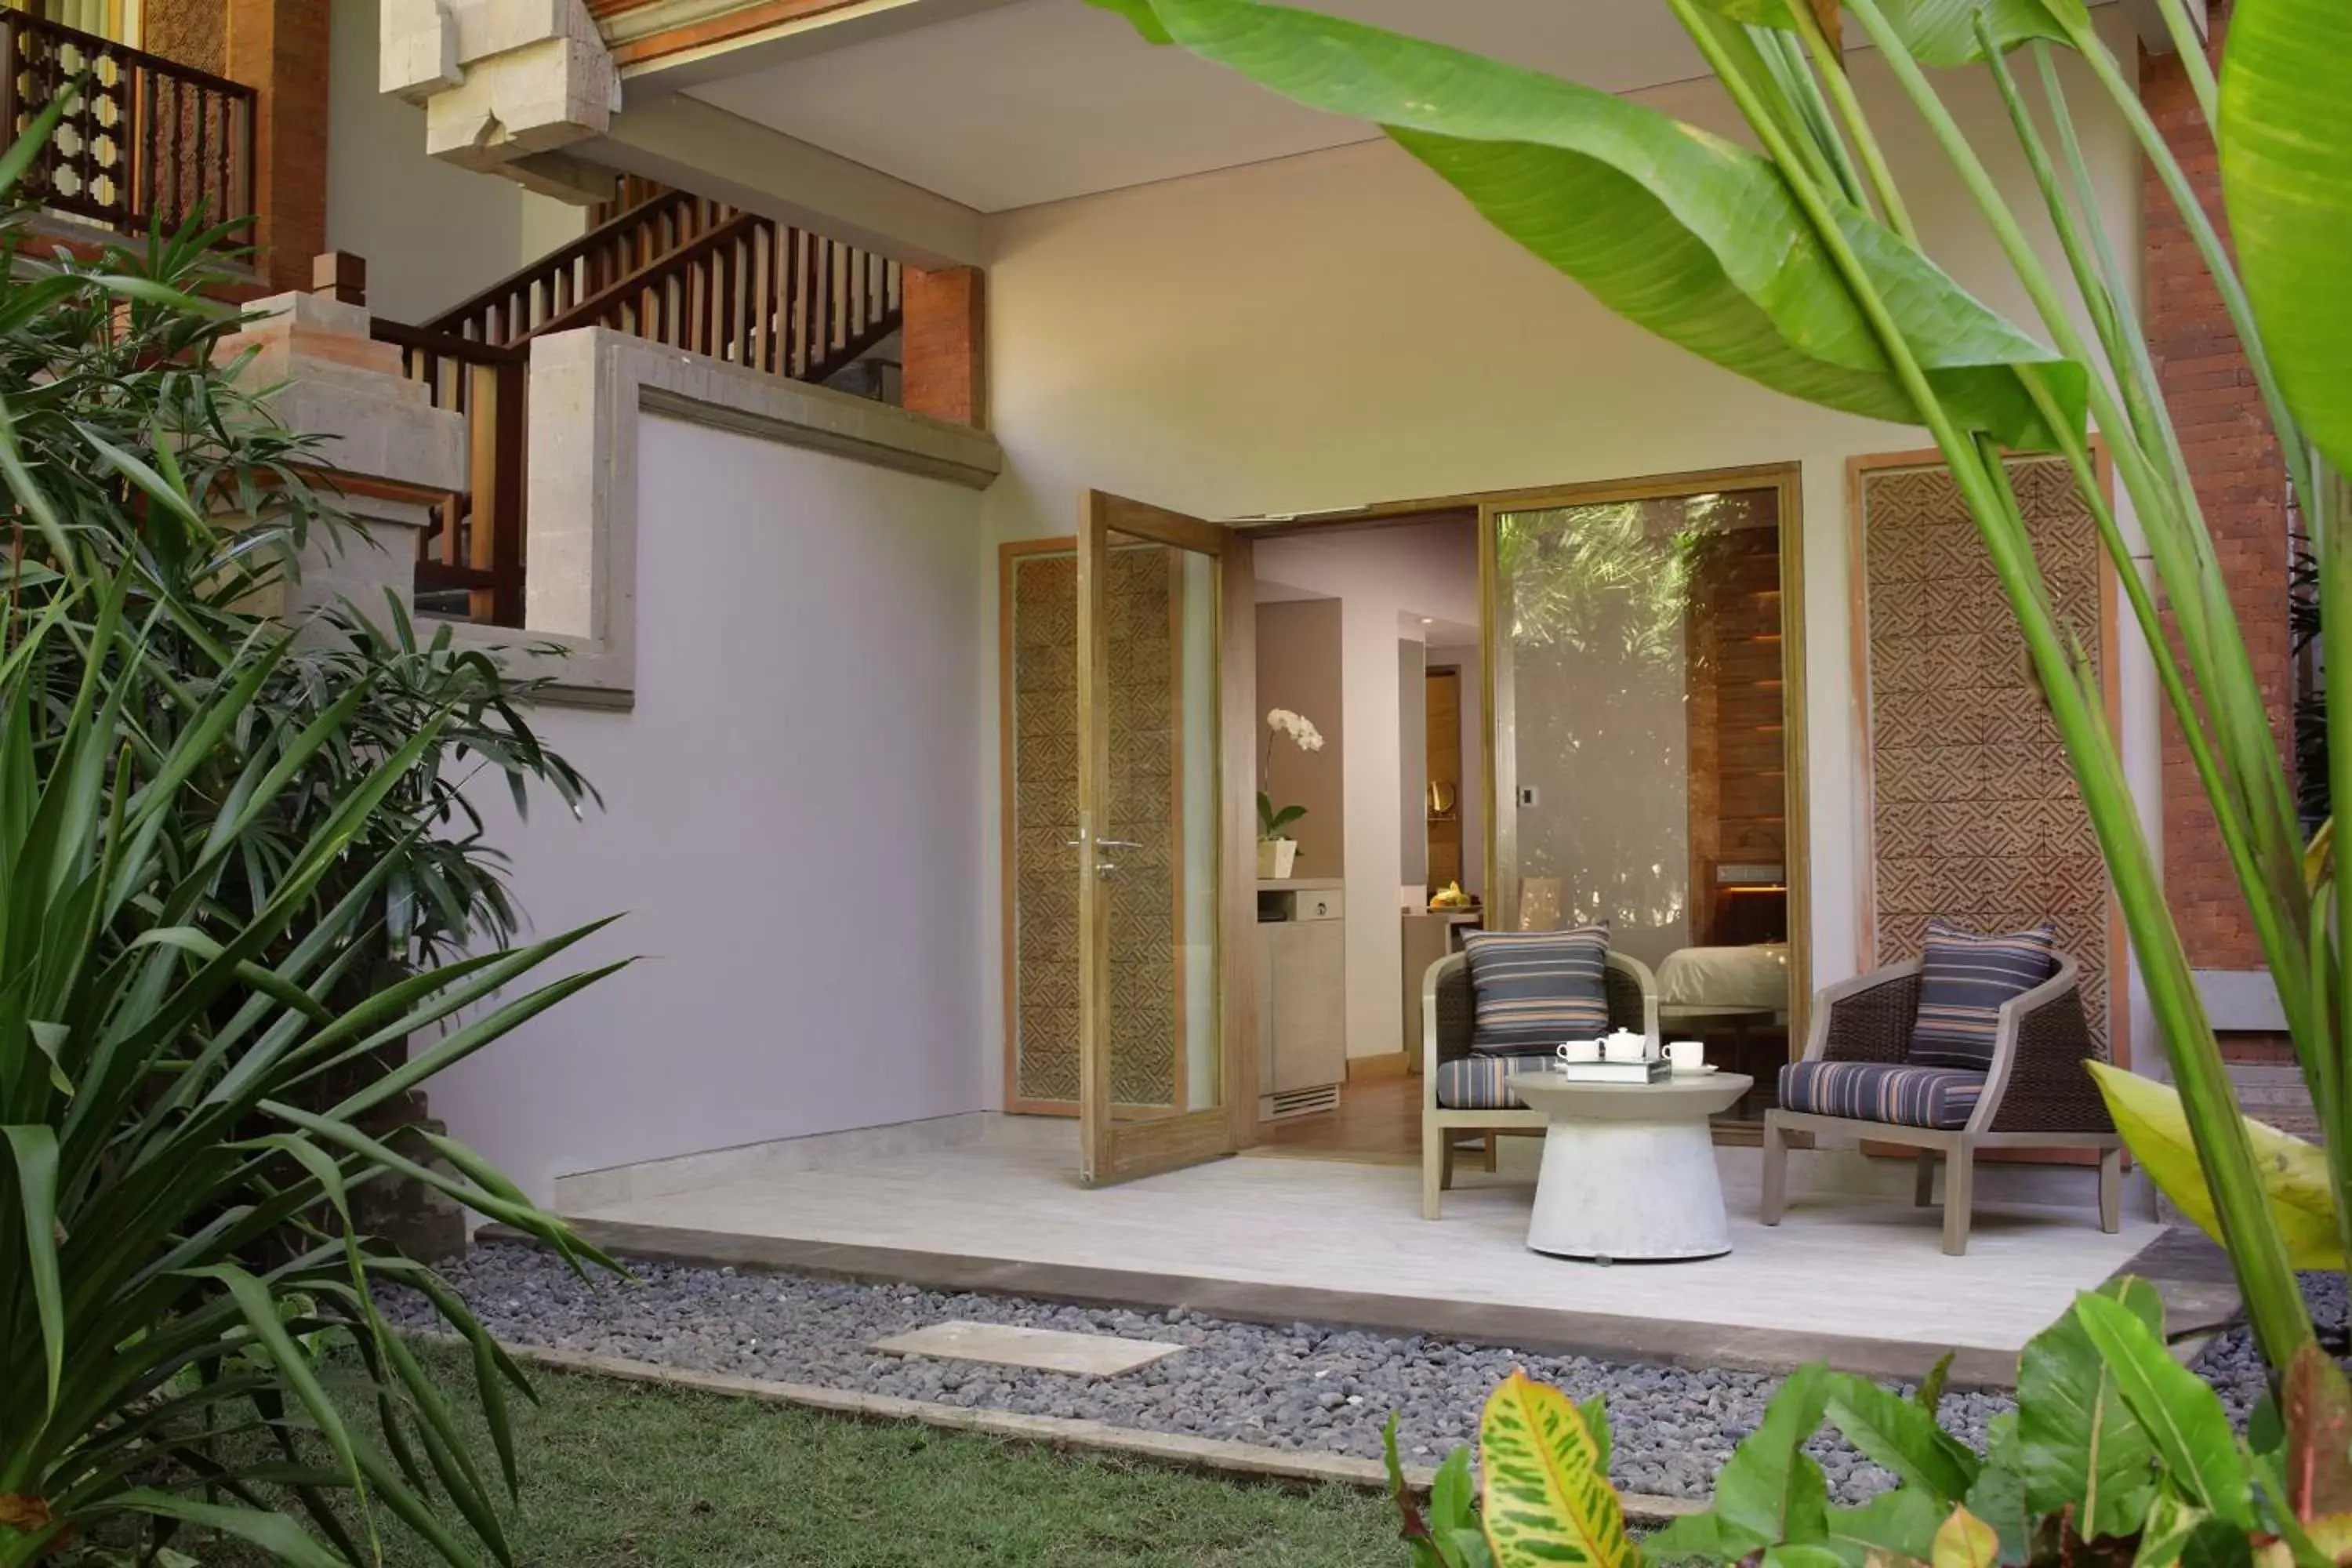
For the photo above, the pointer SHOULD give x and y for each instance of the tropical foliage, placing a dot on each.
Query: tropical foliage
(232, 854)
(1799, 266)
(2115, 1453)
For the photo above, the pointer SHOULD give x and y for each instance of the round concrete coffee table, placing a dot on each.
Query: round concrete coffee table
(1629, 1168)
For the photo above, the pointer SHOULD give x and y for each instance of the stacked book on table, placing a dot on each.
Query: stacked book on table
(1616, 1072)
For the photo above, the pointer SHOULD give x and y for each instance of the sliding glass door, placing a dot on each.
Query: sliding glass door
(1646, 725)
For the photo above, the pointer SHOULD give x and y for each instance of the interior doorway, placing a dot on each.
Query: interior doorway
(1519, 710)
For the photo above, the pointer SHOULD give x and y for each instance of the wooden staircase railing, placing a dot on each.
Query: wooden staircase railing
(145, 139)
(755, 293)
(519, 308)
(676, 269)
(470, 559)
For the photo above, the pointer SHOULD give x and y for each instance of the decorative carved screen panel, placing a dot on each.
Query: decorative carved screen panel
(1041, 705)
(1974, 814)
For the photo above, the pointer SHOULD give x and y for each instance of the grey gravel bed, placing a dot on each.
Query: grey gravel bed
(2234, 1368)
(1301, 1387)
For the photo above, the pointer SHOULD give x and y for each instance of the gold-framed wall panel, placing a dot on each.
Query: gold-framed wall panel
(1499, 760)
(2116, 960)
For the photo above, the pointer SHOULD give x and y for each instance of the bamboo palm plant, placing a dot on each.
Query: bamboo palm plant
(1797, 264)
(230, 855)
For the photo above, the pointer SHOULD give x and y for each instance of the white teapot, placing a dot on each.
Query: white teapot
(1624, 1046)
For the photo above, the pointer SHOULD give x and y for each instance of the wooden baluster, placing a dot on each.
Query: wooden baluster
(510, 443)
(141, 132)
(482, 483)
(812, 309)
(795, 335)
(747, 296)
(168, 199)
(722, 296)
(829, 297)
(224, 176)
(11, 61)
(788, 296)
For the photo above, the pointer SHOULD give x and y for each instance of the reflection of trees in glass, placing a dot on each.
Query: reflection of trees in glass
(1619, 571)
(1599, 602)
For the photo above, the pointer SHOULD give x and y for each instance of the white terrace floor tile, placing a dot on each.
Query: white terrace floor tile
(1868, 1267)
(1046, 1349)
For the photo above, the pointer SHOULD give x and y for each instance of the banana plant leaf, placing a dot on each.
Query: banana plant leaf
(1938, 32)
(1678, 230)
(2286, 179)
(2295, 1173)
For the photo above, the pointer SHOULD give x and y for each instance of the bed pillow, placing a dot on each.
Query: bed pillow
(1530, 990)
(1963, 980)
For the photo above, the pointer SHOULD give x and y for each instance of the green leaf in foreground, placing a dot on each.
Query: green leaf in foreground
(2182, 1414)
(2295, 1173)
(2286, 177)
(2079, 1446)
(1678, 230)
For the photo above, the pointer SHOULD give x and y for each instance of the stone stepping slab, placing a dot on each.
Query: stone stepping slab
(1039, 1349)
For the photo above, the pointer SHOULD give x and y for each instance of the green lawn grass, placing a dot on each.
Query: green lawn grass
(619, 1475)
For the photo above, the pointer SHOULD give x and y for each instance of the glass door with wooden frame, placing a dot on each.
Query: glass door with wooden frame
(1646, 705)
(1154, 841)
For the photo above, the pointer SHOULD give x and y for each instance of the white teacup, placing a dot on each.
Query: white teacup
(1578, 1050)
(1687, 1055)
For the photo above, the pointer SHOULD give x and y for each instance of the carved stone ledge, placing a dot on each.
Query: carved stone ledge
(505, 84)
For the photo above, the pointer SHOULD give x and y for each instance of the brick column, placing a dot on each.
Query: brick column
(2234, 460)
(946, 345)
(279, 48)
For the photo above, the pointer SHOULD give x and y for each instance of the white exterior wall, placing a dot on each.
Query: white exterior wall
(789, 828)
(1340, 328)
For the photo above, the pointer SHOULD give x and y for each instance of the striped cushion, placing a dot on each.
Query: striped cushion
(1963, 981)
(1483, 1083)
(1882, 1091)
(1532, 989)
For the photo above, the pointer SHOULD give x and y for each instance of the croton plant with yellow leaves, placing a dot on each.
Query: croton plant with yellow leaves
(2115, 1455)
(1792, 258)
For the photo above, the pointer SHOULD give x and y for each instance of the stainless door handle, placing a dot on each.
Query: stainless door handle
(1116, 844)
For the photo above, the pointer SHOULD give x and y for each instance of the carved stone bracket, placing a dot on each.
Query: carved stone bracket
(505, 85)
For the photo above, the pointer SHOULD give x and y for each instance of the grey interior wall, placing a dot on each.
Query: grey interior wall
(1412, 756)
(1299, 668)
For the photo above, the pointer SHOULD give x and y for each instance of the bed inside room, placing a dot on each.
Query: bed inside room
(1642, 752)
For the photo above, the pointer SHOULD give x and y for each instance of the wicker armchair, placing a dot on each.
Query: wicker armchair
(1447, 1014)
(2036, 1094)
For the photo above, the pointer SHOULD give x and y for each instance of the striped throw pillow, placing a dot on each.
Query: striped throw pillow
(1532, 989)
(1963, 980)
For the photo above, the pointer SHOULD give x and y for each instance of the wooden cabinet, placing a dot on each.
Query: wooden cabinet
(1428, 937)
(1302, 977)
